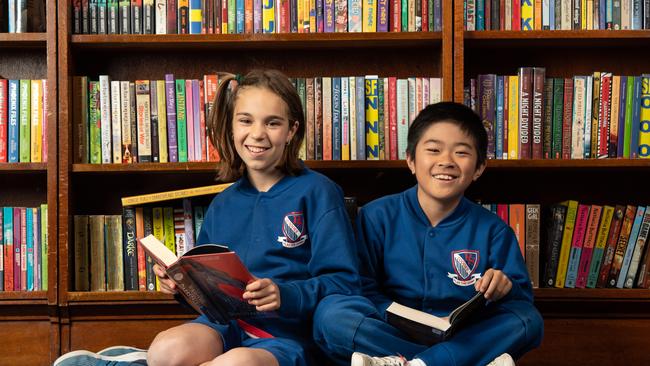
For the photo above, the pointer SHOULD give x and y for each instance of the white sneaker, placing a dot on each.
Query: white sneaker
(361, 359)
(503, 360)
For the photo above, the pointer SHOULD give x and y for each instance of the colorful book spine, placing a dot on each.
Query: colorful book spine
(644, 127)
(565, 250)
(143, 120)
(124, 13)
(196, 119)
(336, 118)
(36, 121)
(154, 125)
(588, 247)
(402, 117)
(577, 243)
(168, 229)
(8, 242)
(116, 121)
(268, 16)
(527, 10)
(196, 16)
(44, 247)
(24, 121)
(105, 118)
(353, 117)
(345, 118)
(372, 117)
(631, 244)
(369, 15)
(162, 120)
(181, 119)
(189, 116)
(621, 245)
(327, 118)
(29, 246)
(13, 130)
(170, 93)
(130, 250)
(639, 249)
(360, 98)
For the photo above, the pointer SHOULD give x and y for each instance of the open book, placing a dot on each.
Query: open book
(429, 329)
(210, 277)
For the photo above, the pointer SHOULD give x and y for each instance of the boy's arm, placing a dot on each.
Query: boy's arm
(370, 245)
(505, 255)
(333, 266)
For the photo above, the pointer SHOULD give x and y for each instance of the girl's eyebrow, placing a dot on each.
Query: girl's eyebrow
(246, 114)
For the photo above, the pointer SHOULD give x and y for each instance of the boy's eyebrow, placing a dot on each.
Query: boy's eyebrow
(434, 141)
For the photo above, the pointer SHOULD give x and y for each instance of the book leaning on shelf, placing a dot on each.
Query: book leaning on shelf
(429, 329)
(210, 277)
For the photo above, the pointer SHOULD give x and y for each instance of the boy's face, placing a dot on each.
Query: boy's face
(444, 163)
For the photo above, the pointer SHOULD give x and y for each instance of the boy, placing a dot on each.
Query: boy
(430, 248)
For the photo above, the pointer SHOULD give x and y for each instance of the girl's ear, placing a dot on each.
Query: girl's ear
(292, 131)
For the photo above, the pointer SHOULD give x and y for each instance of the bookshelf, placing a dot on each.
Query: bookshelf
(135, 317)
(30, 319)
(582, 326)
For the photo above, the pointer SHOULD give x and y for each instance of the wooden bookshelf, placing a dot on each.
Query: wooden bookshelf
(29, 320)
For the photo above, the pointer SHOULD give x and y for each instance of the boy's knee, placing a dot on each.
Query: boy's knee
(182, 346)
(245, 357)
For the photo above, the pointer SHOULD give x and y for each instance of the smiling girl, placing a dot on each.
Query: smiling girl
(287, 223)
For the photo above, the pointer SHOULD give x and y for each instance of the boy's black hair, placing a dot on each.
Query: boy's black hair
(456, 113)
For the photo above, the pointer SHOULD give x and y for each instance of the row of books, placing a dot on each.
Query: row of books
(555, 14)
(594, 116)
(20, 16)
(23, 258)
(254, 16)
(107, 256)
(347, 118)
(23, 121)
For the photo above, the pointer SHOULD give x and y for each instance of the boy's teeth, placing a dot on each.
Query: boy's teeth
(443, 177)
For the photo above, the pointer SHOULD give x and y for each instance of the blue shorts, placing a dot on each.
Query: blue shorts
(287, 351)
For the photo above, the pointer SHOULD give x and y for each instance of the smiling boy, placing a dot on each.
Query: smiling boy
(430, 248)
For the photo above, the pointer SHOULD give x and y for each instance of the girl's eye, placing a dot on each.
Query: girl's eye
(274, 123)
(245, 121)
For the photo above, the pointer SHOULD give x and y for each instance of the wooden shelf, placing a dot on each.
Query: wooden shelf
(203, 167)
(258, 41)
(23, 167)
(80, 298)
(560, 38)
(23, 298)
(605, 294)
(23, 40)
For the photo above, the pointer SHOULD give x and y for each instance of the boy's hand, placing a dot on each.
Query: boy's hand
(494, 284)
(166, 284)
(264, 294)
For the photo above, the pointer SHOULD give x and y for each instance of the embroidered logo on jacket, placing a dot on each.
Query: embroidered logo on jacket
(293, 228)
(464, 262)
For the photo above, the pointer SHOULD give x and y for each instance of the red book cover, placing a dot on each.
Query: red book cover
(536, 131)
(425, 15)
(172, 9)
(392, 116)
(248, 16)
(567, 118)
(211, 82)
(285, 23)
(211, 277)
(142, 262)
(396, 13)
(17, 249)
(202, 120)
(610, 248)
(516, 15)
(189, 113)
(588, 247)
(502, 16)
(502, 212)
(604, 118)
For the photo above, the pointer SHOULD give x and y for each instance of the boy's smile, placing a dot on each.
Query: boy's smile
(444, 165)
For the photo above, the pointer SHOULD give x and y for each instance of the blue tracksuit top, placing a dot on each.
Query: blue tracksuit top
(298, 234)
(430, 268)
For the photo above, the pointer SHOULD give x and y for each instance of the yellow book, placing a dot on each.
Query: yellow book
(644, 133)
(527, 15)
(300, 12)
(583, 14)
(513, 117)
(158, 230)
(312, 16)
(537, 14)
(168, 229)
(369, 16)
(172, 195)
(162, 120)
(36, 121)
(567, 235)
(372, 118)
(268, 16)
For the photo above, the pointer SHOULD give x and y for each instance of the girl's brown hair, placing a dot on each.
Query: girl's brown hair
(219, 124)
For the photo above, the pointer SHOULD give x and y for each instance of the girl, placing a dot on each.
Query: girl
(286, 222)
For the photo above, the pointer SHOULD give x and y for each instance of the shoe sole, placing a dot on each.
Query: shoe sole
(119, 350)
(94, 357)
(357, 360)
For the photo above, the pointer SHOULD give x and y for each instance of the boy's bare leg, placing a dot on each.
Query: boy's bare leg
(186, 344)
(244, 356)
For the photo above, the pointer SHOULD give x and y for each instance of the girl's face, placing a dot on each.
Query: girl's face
(261, 131)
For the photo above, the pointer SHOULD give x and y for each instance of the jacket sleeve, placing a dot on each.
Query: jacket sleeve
(370, 243)
(333, 266)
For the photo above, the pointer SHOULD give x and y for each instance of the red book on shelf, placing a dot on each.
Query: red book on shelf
(142, 262)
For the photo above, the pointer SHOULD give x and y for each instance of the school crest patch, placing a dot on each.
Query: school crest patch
(294, 230)
(464, 262)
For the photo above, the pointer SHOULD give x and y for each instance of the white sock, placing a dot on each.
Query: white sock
(417, 362)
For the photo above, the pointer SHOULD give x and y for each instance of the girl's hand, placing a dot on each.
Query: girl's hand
(264, 294)
(494, 284)
(166, 284)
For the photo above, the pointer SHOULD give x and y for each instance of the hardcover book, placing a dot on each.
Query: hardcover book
(210, 277)
(429, 329)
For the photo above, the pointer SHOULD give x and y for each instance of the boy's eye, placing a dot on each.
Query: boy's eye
(463, 153)
(434, 150)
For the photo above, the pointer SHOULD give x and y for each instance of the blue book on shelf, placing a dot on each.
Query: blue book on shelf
(240, 16)
(29, 226)
(621, 116)
(196, 16)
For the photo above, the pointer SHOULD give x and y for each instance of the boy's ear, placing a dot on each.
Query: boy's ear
(479, 171)
(410, 162)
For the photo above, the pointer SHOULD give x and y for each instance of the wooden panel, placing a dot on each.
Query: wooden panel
(25, 342)
(591, 342)
(95, 335)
